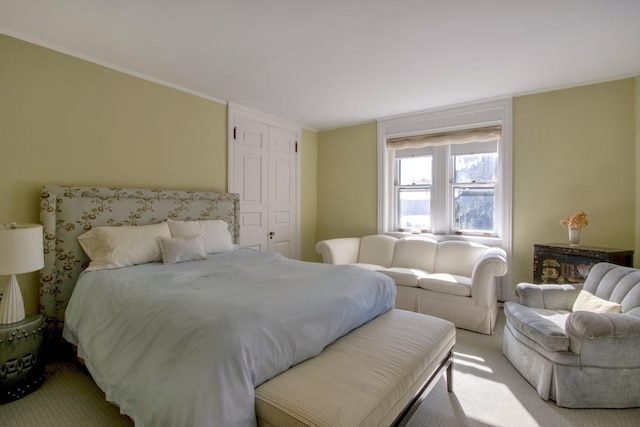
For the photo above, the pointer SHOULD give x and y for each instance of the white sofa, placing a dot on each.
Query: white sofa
(454, 280)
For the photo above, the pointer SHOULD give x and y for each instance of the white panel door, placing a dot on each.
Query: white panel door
(265, 176)
(282, 191)
(250, 169)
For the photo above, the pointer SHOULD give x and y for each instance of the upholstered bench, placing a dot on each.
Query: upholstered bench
(372, 377)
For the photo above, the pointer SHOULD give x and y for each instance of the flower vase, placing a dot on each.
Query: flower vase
(574, 236)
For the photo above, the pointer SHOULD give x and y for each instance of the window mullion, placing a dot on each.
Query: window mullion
(439, 198)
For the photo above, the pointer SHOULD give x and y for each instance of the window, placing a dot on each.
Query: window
(447, 173)
(473, 188)
(413, 193)
(463, 188)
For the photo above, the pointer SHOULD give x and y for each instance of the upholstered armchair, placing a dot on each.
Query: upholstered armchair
(579, 345)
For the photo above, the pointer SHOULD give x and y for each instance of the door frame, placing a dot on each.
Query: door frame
(238, 110)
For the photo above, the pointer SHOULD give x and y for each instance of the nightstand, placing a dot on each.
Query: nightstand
(21, 358)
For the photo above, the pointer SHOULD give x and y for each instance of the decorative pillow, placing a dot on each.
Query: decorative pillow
(121, 246)
(586, 301)
(182, 249)
(214, 232)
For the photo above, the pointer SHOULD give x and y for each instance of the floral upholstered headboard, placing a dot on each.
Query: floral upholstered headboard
(67, 212)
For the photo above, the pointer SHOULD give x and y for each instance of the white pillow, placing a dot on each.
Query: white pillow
(182, 249)
(120, 246)
(586, 301)
(214, 232)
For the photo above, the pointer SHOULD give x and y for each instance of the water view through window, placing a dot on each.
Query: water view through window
(414, 193)
(472, 193)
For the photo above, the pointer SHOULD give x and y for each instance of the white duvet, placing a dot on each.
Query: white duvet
(186, 344)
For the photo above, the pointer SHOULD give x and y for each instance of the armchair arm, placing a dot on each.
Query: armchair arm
(605, 339)
(492, 264)
(552, 297)
(339, 251)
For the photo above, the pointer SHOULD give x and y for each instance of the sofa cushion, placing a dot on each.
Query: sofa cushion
(546, 327)
(404, 276)
(377, 249)
(457, 257)
(446, 283)
(415, 252)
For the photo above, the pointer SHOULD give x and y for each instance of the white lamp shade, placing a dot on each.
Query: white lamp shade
(21, 249)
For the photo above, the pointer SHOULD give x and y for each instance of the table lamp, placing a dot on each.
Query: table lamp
(21, 251)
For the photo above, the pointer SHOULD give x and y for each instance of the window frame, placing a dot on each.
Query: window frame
(442, 219)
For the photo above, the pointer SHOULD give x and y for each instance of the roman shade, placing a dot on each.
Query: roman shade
(483, 134)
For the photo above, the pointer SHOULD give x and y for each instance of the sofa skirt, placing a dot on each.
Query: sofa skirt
(462, 311)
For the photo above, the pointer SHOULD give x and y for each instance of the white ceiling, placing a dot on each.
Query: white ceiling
(331, 63)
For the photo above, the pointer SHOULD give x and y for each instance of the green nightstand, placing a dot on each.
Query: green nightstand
(21, 359)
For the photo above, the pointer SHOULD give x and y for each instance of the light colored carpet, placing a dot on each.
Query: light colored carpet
(488, 391)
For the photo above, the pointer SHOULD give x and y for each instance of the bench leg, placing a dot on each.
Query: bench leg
(447, 364)
(450, 376)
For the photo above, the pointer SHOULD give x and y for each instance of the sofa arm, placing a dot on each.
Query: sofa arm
(339, 251)
(492, 264)
(605, 339)
(552, 297)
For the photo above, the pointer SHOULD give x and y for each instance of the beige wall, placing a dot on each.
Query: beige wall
(65, 121)
(347, 177)
(573, 149)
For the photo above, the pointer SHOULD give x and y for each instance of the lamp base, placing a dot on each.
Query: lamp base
(11, 306)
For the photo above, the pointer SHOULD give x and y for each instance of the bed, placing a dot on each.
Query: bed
(186, 339)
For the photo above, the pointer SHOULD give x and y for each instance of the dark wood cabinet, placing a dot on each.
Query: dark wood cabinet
(566, 264)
